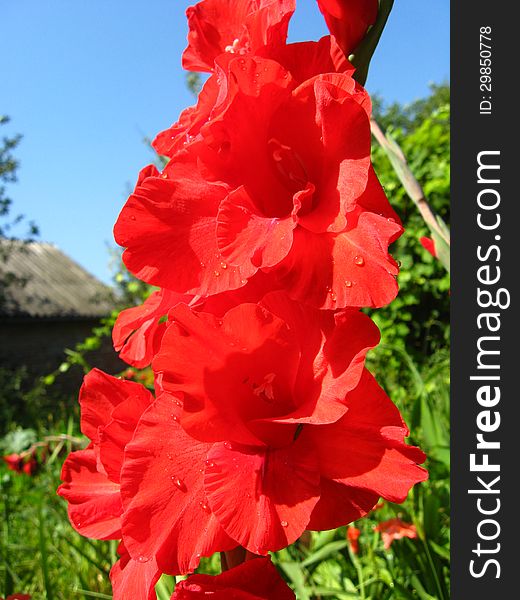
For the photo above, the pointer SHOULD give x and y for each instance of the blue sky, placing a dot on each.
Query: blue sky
(85, 81)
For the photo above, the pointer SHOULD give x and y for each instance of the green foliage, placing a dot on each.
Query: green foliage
(418, 319)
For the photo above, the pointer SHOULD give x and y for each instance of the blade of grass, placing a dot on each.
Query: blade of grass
(44, 554)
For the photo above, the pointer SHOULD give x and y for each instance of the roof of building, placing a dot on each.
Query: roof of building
(37, 280)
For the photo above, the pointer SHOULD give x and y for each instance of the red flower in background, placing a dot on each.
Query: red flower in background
(234, 27)
(349, 20)
(353, 534)
(18, 597)
(395, 529)
(429, 245)
(255, 579)
(273, 185)
(21, 463)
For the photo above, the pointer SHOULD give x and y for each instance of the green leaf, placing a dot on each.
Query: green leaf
(296, 575)
(324, 552)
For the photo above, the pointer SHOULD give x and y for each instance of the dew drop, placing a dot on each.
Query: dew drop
(216, 273)
(243, 281)
(132, 217)
(209, 463)
(223, 265)
(204, 506)
(228, 445)
(399, 263)
(359, 261)
(284, 524)
(179, 483)
(348, 283)
(177, 403)
(175, 419)
(143, 559)
(202, 264)
(391, 220)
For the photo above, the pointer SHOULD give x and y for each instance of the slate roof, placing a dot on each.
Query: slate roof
(55, 286)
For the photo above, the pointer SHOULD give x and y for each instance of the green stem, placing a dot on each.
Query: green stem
(363, 53)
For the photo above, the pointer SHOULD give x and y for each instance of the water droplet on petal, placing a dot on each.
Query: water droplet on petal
(143, 559)
(202, 265)
(223, 265)
(348, 283)
(391, 220)
(284, 524)
(179, 483)
(359, 261)
(204, 506)
(209, 463)
(228, 445)
(216, 273)
(132, 217)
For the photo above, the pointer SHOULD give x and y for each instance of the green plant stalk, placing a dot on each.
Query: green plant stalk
(436, 225)
(362, 55)
(44, 554)
(8, 579)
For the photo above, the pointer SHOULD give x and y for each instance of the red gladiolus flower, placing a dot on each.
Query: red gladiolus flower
(235, 27)
(349, 20)
(395, 529)
(280, 183)
(353, 534)
(263, 450)
(255, 579)
(18, 597)
(429, 245)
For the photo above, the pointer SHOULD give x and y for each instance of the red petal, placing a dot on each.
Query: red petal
(366, 450)
(349, 20)
(137, 332)
(94, 501)
(374, 199)
(166, 514)
(345, 139)
(256, 579)
(99, 395)
(215, 25)
(340, 504)
(133, 579)
(333, 354)
(244, 235)
(229, 372)
(262, 498)
(305, 60)
(429, 245)
(352, 268)
(169, 229)
(119, 431)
